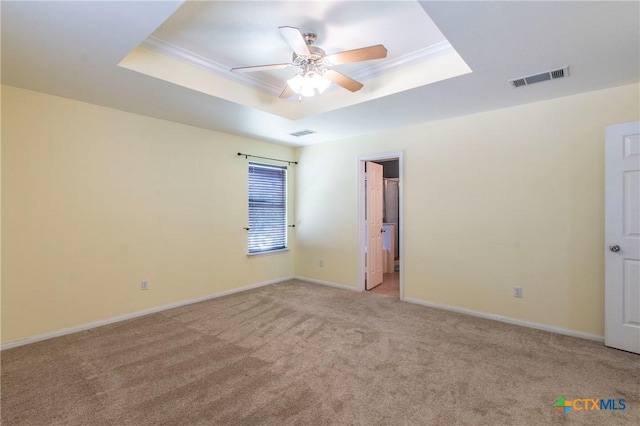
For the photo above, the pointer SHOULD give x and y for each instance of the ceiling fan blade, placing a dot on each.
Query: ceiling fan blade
(342, 80)
(294, 38)
(287, 92)
(261, 68)
(357, 55)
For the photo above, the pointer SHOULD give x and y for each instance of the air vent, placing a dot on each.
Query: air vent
(302, 133)
(537, 78)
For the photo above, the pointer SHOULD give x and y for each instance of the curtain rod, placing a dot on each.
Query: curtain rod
(267, 158)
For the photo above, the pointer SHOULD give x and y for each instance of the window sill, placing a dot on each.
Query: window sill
(265, 253)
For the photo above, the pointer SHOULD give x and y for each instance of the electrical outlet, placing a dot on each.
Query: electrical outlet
(517, 292)
(144, 285)
(321, 263)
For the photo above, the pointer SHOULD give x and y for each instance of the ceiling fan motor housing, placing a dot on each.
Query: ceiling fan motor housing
(316, 57)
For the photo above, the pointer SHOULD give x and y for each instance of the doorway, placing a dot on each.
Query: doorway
(392, 229)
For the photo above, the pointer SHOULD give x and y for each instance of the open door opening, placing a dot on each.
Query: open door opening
(380, 224)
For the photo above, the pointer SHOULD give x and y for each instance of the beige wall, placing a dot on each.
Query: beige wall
(1, 88)
(512, 197)
(95, 200)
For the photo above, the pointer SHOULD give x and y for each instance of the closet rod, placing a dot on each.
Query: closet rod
(267, 158)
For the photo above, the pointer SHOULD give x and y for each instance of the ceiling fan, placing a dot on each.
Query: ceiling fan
(316, 66)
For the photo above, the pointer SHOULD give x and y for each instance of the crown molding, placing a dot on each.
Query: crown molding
(407, 60)
(193, 59)
(374, 70)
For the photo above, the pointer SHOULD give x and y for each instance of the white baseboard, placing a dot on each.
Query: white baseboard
(508, 320)
(94, 324)
(327, 283)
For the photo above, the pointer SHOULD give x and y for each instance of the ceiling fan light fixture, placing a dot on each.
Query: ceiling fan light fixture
(308, 84)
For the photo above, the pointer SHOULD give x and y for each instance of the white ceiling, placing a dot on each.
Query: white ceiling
(73, 49)
(200, 43)
(231, 34)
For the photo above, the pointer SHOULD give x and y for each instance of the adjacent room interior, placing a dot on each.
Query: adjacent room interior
(234, 212)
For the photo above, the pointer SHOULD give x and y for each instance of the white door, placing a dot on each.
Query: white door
(374, 225)
(622, 237)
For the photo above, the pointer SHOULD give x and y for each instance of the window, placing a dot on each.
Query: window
(267, 208)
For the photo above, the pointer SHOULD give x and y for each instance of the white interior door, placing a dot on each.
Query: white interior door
(622, 237)
(374, 225)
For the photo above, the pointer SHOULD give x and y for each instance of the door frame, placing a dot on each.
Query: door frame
(360, 220)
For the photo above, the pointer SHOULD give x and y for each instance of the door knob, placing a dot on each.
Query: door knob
(614, 248)
(382, 230)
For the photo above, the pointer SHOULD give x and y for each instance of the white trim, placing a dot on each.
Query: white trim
(327, 283)
(94, 324)
(508, 320)
(267, 252)
(175, 52)
(381, 67)
(412, 58)
(119, 318)
(360, 217)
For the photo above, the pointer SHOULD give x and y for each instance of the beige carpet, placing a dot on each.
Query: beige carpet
(298, 353)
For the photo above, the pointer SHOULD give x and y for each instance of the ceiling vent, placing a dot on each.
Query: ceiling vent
(537, 78)
(302, 133)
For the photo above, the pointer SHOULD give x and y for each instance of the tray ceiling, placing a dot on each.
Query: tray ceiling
(170, 59)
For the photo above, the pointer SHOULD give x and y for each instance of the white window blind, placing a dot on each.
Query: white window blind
(267, 208)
